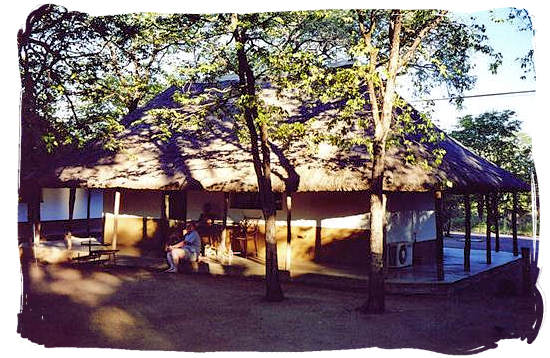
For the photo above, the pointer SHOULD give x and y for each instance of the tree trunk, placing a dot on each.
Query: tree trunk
(376, 293)
(273, 285)
(261, 159)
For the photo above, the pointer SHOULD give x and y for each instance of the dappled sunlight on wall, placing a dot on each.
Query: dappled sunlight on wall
(399, 227)
(424, 225)
(133, 231)
(342, 246)
(323, 223)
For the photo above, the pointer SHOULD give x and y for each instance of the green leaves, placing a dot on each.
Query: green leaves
(82, 73)
(50, 142)
(101, 68)
(496, 137)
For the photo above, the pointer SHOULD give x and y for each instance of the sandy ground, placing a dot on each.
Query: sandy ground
(147, 310)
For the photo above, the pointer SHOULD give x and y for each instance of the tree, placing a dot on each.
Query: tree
(139, 52)
(247, 45)
(81, 74)
(237, 44)
(429, 47)
(497, 137)
(52, 48)
(260, 153)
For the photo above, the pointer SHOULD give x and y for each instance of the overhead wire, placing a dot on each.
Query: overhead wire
(475, 96)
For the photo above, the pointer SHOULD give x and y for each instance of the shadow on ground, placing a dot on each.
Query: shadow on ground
(68, 306)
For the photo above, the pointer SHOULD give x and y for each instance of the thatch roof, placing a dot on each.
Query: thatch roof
(215, 160)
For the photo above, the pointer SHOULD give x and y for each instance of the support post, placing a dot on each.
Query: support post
(488, 231)
(164, 215)
(515, 224)
(72, 196)
(35, 215)
(467, 231)
(115, 219)
(185, 206)
(288, 231)
(439, 235)
(224, 220)
(495, 219)
(526, 270)
(88, 203)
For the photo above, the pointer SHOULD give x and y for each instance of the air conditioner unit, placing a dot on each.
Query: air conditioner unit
(400, 254)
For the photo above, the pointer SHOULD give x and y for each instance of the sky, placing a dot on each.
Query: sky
(504, 38)
(531, 111)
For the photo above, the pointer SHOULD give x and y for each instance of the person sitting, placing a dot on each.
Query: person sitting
(187, 249)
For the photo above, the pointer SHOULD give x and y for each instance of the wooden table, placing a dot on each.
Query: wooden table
(95, 255)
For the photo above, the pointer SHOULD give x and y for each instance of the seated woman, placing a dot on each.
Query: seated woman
(187, 249)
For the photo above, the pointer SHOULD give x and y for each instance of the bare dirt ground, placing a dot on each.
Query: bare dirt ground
(146, 310)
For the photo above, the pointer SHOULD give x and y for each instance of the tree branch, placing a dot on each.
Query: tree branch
(373, 54)
(421, 35)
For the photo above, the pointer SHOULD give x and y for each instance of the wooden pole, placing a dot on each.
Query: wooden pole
(488, 230)
(115, 219)
(495, 218)
(35, 215)
(167, 205)
(88, 203)
(224, 220)
(185, 206)
(288, 231)
(526, 270)
(467, 231)
(164, 214)
(515, 224)
(439, 235)
(72, 196)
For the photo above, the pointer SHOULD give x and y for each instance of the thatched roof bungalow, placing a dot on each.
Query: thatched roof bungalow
(174, 179)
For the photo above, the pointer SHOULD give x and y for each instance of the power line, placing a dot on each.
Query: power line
(475, 96)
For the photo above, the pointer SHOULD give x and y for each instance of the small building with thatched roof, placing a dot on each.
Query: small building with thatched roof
(143, 191)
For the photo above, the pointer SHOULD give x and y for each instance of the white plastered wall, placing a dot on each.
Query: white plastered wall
(55, 205)
(411, 215)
